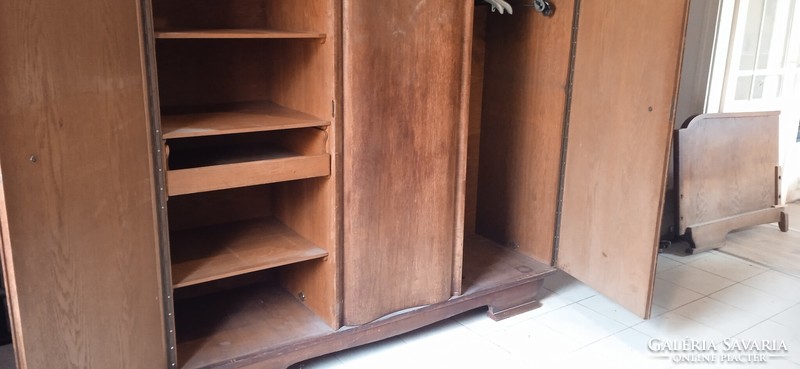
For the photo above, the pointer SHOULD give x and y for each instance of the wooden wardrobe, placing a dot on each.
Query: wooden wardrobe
(252, 183)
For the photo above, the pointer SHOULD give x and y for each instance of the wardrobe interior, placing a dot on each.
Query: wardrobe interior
(247, 93)
(518, 87)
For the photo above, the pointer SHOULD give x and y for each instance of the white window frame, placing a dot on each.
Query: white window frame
(727, 55)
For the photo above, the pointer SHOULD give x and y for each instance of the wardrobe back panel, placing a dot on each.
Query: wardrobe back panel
(79, 227)
(403, 80)
(625, 81)
(527, 63)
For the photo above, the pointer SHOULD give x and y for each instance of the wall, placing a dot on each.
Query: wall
(790, 152)
(697, 54)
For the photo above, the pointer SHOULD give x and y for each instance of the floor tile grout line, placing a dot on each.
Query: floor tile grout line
(763, 270)
(612, 318)
(700, 292)
(731, 306)
(793, 303)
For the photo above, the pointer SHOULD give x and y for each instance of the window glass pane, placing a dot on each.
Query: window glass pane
(768, 26)
(743, 85)
(750, 37)
(758, 88)
(792, 85)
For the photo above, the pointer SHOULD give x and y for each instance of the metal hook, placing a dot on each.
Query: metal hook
(544, 7)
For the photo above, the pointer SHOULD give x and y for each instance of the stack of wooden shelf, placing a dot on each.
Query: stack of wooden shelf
(242, 229)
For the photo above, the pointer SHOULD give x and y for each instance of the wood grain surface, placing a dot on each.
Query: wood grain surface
(403, 95)
(211, 253)
(474, 126)
(299, 74)
(525, 79)
(725, 166)
(306, 77)
(217, 328)
(625, 80)
(233, 33)
(249, 173)
(79, 219)
(280, 331)
(257, 116)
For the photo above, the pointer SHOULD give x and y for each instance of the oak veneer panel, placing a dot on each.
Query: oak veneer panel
(277, 331)
(462, 146)
(306, 76)
(211, 72)
(273, 167)
(301, 75)
(210, 14)
(488, 264)
(726, 166)
(8, 278)
(80, 240)
(217, 207)
(216, 328)
(235, 118)
(625, 81)
(474, 126)
(526, 74)
(403, 107)
(233, 33)
(225, 250)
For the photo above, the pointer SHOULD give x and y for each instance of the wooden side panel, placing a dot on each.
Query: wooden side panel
(8, 278)
(475, 109)
(79, 230)
(625, 80)
(306, 77)
(527, 63)
(403, 76)
(726, 166)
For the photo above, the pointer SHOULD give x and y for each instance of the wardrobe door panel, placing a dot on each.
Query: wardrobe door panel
(78, 215)
(403, 76)
(625, 78)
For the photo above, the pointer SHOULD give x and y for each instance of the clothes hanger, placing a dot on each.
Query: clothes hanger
(495, 5)
(500, 5)
(506, 5)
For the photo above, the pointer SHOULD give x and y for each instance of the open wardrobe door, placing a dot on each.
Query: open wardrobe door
(624, 81)
(77, 209)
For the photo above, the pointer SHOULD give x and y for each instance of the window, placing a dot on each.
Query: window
(762, 67)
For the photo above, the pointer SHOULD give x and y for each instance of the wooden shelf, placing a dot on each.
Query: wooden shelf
(487, 265)
(235, 33)
(211, 170)
(264, 321)
(235, 118)
(216, 328)
(221, 251)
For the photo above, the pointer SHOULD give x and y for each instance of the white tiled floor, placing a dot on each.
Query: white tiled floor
(710, 296)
